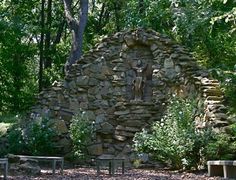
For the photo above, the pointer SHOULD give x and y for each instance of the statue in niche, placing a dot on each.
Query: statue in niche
(139, 80)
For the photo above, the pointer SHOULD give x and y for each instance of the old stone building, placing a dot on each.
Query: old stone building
(124, 84)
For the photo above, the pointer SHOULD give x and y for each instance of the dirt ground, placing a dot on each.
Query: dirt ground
(131, 174)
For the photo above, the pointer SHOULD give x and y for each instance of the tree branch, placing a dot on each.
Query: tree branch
(68, 12)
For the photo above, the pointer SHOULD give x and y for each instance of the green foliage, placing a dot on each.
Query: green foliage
(81, 133)
(34, 138)
(222, 146)
(10, 118)
(174, 138)
(19, 52)
(16, 141)
(39, 137)
(15, 60)
(154, 14)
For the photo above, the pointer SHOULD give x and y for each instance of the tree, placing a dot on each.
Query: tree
(17, 82)
(48, 60)
(41, 45)
(77, 28)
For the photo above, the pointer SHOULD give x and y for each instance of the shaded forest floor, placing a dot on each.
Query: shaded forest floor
(131, 174)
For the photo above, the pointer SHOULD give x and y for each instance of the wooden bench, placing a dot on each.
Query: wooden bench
(4, 162)
(47, 158)
(112, 163)
(226, 169)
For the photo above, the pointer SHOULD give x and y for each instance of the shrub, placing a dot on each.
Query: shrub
(34, 139)
(16, 141)
(81, 132)
(174, 138)
(39, 136)
(222, 146)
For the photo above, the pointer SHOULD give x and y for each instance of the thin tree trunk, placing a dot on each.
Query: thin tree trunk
(59, 33)
(41, 46)
(48, 60)
(101, 17)
(77, 28)
(117, 16)
(17, 81)
(141, 7)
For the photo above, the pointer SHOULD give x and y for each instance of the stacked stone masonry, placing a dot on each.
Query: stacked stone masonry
(103, 83)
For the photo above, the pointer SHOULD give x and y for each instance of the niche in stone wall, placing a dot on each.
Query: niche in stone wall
(139, 60)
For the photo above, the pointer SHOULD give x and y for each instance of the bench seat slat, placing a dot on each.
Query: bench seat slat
(54, 160)
(222, 162)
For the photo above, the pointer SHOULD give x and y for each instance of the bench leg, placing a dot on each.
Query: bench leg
(5, 170)
(229, 171)
(110, 168)
(123, 167)
(54, 167)
(62, 166)
(98, 167)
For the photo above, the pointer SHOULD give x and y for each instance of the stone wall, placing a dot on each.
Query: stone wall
(103, 83)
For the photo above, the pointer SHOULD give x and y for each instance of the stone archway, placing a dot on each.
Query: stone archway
(102, 83)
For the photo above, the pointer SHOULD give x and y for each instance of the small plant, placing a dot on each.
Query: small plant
(81, 132)
(137, 163)
(174, 138)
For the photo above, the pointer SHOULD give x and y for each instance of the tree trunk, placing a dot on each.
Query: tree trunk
(58, 36)
(41, 46)
(48, 60)
(77, 28)
(117, 16)
(99, 27)
(141, 7)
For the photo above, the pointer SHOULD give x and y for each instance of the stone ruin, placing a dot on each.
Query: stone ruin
(124, 84)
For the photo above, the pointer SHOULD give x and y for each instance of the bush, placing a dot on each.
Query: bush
(174, 138)
(39, 136)
(34, 139)
(222, 146)
(81, 133)
(16, 141)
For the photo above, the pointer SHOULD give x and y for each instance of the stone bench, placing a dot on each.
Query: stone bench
(47, 158)
(226, 169)
(4, 162)
(112, 163)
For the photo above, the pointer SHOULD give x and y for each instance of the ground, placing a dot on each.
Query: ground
(131, 174)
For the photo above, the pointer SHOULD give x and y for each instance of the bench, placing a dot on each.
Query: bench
(223, 168)
(4, 162)
(112, 163)
(47, 158)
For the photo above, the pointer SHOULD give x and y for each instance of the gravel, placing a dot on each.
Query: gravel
(131, 174)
